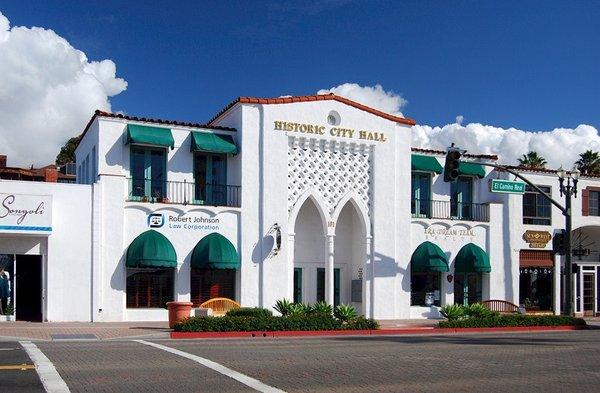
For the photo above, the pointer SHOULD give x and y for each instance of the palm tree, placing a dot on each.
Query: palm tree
(532, 160)
(589, 163)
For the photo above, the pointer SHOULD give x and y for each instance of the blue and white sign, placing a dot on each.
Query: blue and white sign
(20, 213)
(189, 221)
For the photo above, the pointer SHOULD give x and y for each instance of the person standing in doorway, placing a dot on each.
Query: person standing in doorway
(4, 292)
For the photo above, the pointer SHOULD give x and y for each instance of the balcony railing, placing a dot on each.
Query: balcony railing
(450, 210)
(183, 193)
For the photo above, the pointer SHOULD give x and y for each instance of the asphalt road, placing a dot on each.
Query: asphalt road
(508, 362)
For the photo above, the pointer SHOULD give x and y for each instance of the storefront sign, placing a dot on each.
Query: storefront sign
(535, 270)
(313, 129)
(507, 186)
(25, 213)
(537, 239)
(182, 222)
(433, 231)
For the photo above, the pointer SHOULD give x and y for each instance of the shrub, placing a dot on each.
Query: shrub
(322, 308)
(512, 320)
(453, 311)
(345, 313)
(300, 309)
(283, 307)
(256, 312)
(271, 323)
(478, 310)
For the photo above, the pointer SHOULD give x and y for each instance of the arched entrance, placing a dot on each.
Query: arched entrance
(585, 244)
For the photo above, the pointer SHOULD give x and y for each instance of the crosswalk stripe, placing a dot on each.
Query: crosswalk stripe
(51, 379)
(246, 380)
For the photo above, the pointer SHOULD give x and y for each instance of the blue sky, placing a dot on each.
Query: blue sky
(532, 66)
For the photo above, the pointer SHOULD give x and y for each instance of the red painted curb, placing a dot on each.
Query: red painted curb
(382, 332)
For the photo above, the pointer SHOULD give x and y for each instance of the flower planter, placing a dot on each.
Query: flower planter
(178, 311)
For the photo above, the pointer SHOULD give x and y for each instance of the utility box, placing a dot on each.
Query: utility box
(356, 291)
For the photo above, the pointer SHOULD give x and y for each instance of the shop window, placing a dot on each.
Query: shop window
(297, 285)
(207, 284)
(421, 195)
(148, 172)
(468, 288)
(537, 209)
(210, 179)
(149, 288)
(321, 286)
(461, 198)
(423, 283)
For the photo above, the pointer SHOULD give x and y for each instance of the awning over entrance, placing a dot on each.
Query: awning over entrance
(213, 143)
(428, 258)
(425, 163)
(151, 249)
(215, 251)
(471, 169)
(146, 135)
(472, 259)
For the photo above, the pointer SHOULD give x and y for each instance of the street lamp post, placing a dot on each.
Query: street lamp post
(568, 188)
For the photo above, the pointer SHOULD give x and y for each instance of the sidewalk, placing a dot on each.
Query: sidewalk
(82, 330)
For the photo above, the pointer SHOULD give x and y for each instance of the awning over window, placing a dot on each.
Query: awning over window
(472, 259)
(428, 258)
(214, 251)
(471, 169)
(425, 163)
(213, 143)
(147, 135)
(151, 249)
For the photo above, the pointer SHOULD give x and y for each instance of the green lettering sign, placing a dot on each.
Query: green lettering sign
(507, 186)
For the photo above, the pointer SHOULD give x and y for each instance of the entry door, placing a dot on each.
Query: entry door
(321, 285)
(588, 293)
(28, 288)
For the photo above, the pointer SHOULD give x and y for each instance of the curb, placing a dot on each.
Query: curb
(382, 332)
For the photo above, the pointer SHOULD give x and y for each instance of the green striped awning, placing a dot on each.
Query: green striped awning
(472, 259)
(471, 169)
(425, 163)
(151, 249)
(428, 257)
(213, 143)
(146, 135)
(215, 251)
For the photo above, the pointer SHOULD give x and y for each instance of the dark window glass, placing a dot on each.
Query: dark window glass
(207, 284)
(149, 288)
(210, 176)
(467, 288)
(321, 285)
(138, 175)
(536, 288)
(421, 194)
(537, 210)
(297, 285)
(594, 201)
(461, 198)
(148, 172)
(420, 284)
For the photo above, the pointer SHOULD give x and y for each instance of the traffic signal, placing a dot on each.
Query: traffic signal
(452, 163)
(558, 243)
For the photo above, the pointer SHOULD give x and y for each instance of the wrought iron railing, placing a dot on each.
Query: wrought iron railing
(450, 210)
(183, 193)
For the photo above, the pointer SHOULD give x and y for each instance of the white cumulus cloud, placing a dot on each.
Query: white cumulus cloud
(560, 146)
(373, 96)
(48, 91)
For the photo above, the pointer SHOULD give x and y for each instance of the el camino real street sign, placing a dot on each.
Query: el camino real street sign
(507, 186)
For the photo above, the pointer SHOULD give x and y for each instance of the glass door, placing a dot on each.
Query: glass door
(321, 285)
(461, 194)
(589, 294)
(210, 179)
(421, 195)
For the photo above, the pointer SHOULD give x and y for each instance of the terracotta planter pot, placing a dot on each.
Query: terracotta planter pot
(178, 311)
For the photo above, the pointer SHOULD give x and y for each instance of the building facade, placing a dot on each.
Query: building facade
(314, 198)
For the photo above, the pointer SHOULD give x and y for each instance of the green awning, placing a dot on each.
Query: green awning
(425, 163)
(214, 251)
(472, 259)
(146, 135)
(428, 258)
(471, 169)
(151, 249)
(213, 143)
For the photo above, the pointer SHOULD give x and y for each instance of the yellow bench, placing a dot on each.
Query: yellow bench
(220, 305)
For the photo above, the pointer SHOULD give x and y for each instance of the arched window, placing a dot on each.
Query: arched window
(427, 264)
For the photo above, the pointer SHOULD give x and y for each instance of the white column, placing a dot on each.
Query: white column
(329, 270)
(367, 280)
(557, 285)
(291, 264)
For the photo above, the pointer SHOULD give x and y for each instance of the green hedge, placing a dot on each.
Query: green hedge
(250, 312)
(513, 320)
(270, 323)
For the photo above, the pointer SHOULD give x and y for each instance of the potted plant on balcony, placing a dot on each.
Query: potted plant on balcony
(163, 200)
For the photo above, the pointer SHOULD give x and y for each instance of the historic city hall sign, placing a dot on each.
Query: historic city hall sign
(288, 126)
(537, 239)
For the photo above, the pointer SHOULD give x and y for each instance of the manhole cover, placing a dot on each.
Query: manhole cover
(73, 337)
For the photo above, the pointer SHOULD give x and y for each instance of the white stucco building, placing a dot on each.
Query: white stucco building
(314, 198)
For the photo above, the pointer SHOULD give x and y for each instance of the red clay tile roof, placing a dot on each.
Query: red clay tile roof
(319, 97)
(442, 152)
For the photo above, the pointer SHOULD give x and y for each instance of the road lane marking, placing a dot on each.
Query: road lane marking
(52, 381)
(246, 380)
